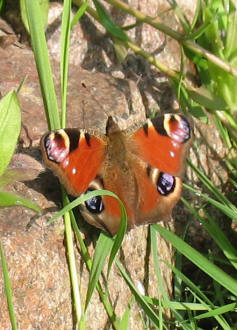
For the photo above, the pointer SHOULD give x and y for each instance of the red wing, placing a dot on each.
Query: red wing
(75, 156)
(163, 142)
(158, 194)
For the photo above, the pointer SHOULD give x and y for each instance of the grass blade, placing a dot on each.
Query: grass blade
(79, 13)
(81, 199)
(65, 41)
(8, 290)
(8, 199)
(118, 238)
(110, 26)
(199, 260)
(139, 298)
(103, 247)
(230, 212)
(218, 311)
(72, 266)
(216, 233)
(42, 62)
(10, 123)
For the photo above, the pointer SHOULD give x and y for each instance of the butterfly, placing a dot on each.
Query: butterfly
(142, 166)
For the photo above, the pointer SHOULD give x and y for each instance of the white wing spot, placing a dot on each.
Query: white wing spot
(172, 154)
(175, 144)
(66, 163)
(74, 171)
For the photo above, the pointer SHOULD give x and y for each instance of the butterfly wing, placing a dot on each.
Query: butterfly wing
(161, 146)
(163, 142)
(75, 156)
(140, 168)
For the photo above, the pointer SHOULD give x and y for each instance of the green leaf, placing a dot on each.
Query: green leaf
(139, 297)
(199, 260)
(64, 57)
(8, 199)
(103, 247)
(110, 26)
(120, 49)
(44, 6)
(207, 99)
(81, 199)
(8, 289)
(218, 311)
(231, 35)
(1, 5)
(72, 267)
(198, 294)
(42, 62)
(10, 125)
(79, 13)
(198, 113)
(118, 238)
(124, 323)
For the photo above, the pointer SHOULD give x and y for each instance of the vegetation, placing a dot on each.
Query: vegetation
(210, 42)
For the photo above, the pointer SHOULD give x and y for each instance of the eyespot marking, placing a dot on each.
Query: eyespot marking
(95, 204)
(165, 184)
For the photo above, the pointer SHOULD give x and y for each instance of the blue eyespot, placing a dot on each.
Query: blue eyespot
(165, 184)
(95, 204)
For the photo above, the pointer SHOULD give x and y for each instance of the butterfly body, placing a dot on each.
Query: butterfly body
(140, 166)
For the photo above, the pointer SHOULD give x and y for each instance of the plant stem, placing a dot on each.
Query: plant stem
(155, 22)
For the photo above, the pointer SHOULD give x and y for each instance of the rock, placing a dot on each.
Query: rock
(36, 256)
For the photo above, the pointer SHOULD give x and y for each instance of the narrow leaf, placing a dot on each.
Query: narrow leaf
(102, 250)
(8, 290)
(198, 259)
(110, 26)
(42, 62)
(10, 125)
(8, 199)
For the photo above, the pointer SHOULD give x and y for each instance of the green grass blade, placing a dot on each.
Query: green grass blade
(10, 126)
(81, 199)
(44, 7)
(42, 62)
(218, 311)
(216, 233)
(124, 323)
(103, 247)
(8, 290)
(211, 186)
(154, 250)
(165, 302)
(65, 41)
(230, 212)
(103, 294)
(110, 26)
(79, 13)
(8, 199)
(72, 267)
(139, 298)
(118, 238)
(1, 5)
(198, 294)
(221, 239)
(199, 260)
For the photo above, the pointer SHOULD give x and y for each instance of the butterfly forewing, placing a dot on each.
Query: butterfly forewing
(163, 141)
(75, 156)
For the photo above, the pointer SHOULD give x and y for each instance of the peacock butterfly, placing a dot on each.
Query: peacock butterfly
(142, 166)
